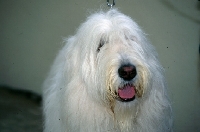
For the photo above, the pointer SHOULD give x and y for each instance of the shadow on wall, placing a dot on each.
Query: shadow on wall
(20, 111)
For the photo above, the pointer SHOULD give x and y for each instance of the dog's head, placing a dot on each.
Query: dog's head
(116, 61)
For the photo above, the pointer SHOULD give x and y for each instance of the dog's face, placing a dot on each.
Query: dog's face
(120, 59)
(116, 59)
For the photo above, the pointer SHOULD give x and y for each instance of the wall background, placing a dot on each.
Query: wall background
(31, 33)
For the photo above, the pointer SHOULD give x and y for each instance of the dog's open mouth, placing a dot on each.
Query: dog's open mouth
(127, 93)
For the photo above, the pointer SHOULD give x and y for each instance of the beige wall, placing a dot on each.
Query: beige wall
(31, 33)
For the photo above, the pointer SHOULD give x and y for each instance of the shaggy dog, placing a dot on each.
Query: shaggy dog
(107, 78)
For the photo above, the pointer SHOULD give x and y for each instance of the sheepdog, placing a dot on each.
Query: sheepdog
(107, 78)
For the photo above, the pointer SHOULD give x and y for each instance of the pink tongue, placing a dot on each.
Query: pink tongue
(127, 92)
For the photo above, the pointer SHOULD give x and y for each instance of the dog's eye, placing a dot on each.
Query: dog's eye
(133, 38)
(101, 43)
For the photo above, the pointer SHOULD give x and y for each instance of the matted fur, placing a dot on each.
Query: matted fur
(80, 93)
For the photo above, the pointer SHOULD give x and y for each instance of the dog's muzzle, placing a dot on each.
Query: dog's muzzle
(127, 92)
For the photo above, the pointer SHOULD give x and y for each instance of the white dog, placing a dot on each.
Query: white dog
(107, 79)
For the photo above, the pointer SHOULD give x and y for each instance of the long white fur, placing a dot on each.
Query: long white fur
(78, 93)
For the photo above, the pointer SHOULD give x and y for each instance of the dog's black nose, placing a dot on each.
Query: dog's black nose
(127, 72)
